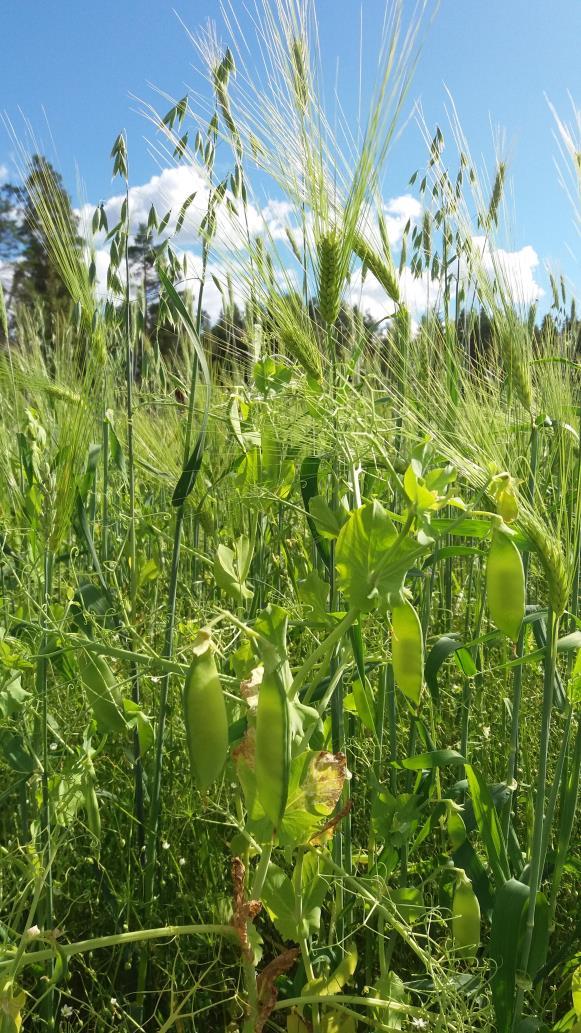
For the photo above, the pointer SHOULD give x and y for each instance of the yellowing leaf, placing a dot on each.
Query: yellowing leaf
(322, 783)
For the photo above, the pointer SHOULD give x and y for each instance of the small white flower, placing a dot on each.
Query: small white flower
(33, 931)
(113, 1002)
(66, 1011)
(54, 746)
(486, 731)
(165, 845)
(182, 862)
(419, 1023)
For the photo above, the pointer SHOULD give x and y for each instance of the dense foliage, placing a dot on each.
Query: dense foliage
(290, 654)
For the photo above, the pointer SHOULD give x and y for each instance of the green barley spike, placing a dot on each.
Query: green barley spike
(329, 277)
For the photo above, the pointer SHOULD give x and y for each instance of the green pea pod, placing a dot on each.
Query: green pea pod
(505, 585)
(91, 805)
(465, 918)
(272, 747)
(102, 693)
(407, 650)
(205, 715)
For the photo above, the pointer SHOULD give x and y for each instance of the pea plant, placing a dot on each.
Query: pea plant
(290, 646)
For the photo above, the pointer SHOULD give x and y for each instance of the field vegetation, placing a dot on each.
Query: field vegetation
(290, 645)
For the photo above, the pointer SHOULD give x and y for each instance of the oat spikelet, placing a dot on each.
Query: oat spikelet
(384, 273)
(329, 251)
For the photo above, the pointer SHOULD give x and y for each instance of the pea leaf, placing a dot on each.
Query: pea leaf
(372, 559)
(12, 695)
(278, 897)
(228, 575)
(439, 653)
(14, 752)
(328, 521)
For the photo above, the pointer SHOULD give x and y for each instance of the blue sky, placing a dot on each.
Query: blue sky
(81, 61)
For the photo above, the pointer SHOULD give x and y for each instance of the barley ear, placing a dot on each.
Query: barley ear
(329, 251)
(552, 560)
(384, 273)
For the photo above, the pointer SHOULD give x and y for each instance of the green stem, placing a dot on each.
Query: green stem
(566, 822)
(46, 910)
(168, 932)
(539, 817)
(556, 786)
(321, 653)
(248, 965)
(518, 670)
(390, 913)
(303, 942)
(155, 794)
(105, 500)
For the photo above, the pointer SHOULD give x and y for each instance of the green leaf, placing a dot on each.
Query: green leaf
(278, 896)
(439, 653)
(327, 985)
(364, 704)
(148, 571)
(488, 825)
(12, 695)
(14, 752)
(361, 689)
(327, 520)
(188, 477)
(272, 624)
(390, 988)
(428, 761)
(372, 560)
(409, 901)
(137, 719)
(309, 489)
(314, 593)
(315, 887)
(576, 991)
(227, 573)
(508, 923)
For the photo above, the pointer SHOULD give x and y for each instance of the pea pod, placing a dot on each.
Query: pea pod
(272, 746)
(91, 805)
(102, 692)
(505, 585)
(205, 715)
(465, 918)
(407, 650)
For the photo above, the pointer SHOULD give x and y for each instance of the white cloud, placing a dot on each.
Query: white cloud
(169, 189)
(397, 213)
(3, 172)
(6, 275)
(517, 269)
(165, 191)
